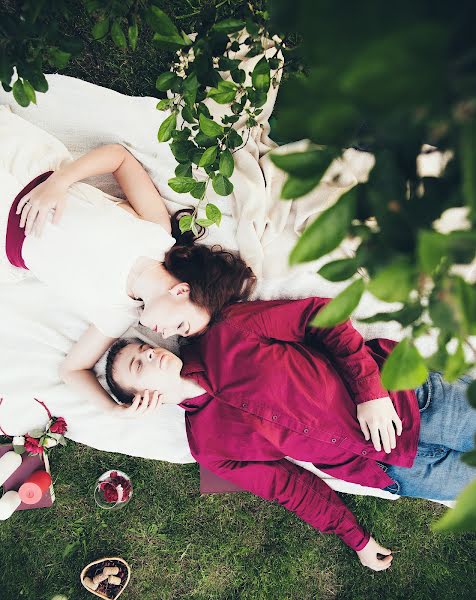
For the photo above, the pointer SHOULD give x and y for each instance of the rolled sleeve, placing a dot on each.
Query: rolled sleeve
(297, 490)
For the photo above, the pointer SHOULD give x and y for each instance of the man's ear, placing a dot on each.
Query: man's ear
(179, 289)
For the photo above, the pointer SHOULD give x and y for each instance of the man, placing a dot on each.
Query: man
(260, 385)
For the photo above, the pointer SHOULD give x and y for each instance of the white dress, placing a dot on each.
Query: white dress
(87, 257)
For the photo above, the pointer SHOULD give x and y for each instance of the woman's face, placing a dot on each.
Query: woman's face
(172, 313)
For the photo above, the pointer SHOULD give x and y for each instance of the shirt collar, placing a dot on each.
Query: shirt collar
(194, 368)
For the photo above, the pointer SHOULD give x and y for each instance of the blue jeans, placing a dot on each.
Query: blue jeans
(448, 425)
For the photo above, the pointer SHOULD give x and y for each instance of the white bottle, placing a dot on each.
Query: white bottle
(9, 463)
(9, 502)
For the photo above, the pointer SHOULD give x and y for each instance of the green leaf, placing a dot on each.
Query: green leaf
(198, 190)
(310, 164)
(234, 139)
(185, 223)
(224, 93)
(204, 222)
(340, 308)
(469, 458)
(58, 58)
(260, 76)
(468, 164)
(463, 516)
(182, 185)
(190, 88)
(182, 150)
(229, 25)
(471, 393)
(408, 314)
(6, 67)
(295, 187)
(165, 31)
(326, 232)
(19, 449)
(100, 29)
(394, 282)
(38, 81)
(222, 185)
(188, 114)
(166, 128)
(166, 80)
(455, 364)
(184, 170)
(29, 91)
(203, 140)
(213, 213)
(209, 127)
(238, 75)
(133, 34)
(404, 368)
(36, 433)
(339, 270)
(208, 157)
(227, 164)
(432, 247)
(71, 548)
(117, 35)
(163, 104)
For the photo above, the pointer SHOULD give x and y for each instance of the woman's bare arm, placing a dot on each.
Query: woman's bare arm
(77, 368)
(138, 187)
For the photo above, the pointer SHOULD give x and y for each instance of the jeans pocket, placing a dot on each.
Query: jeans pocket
(393, 488)
(424, 394)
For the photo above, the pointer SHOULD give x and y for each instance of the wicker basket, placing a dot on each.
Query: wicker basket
(100, 560)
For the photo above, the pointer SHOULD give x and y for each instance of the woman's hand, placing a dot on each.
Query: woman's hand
(368, 556)
(35, 206)
(379, 420)
(141, 405)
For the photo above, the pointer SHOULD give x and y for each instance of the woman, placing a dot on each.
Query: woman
(114, 263)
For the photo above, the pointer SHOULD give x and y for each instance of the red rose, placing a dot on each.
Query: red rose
(58, 426)
(109, 491)
(32, 445)
(116, 480)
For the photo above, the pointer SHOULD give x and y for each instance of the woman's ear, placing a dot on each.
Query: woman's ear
(180, 289)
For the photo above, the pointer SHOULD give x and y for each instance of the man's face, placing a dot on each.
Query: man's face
(140, 367)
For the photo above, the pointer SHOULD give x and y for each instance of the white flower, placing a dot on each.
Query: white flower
(49, 443)
(19, 440)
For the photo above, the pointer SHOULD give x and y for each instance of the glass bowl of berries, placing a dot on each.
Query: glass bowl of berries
(113, 490)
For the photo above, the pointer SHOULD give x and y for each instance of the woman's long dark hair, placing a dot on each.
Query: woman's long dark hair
(216, 277)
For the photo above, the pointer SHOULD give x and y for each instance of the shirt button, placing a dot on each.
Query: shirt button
(306, 430)
(244, 405)
(333, 440)
(364, 452)
(275, 417)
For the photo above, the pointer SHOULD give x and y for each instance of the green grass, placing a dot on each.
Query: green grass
(181, 545)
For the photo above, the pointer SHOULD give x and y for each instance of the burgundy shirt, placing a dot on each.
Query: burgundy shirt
(275, 388)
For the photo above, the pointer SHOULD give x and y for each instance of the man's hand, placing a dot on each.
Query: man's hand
(368, 556)
(378, 420)
(143, 404)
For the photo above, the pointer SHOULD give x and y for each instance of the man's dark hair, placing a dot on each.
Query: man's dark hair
(122, 395)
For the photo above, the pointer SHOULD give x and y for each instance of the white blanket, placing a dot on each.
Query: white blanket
(36, 333)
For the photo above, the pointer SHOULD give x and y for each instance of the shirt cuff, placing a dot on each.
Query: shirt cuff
(368, 388)
(356, 539)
